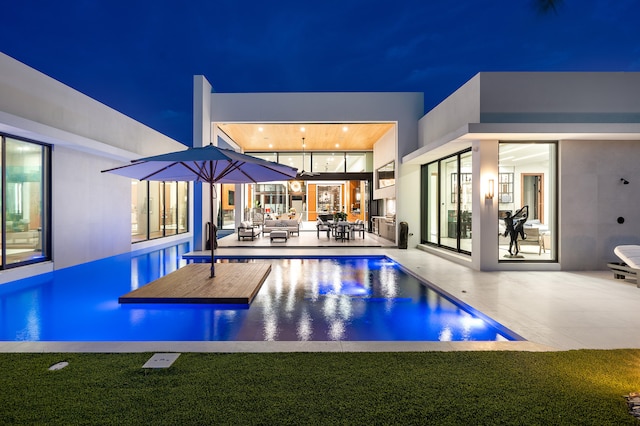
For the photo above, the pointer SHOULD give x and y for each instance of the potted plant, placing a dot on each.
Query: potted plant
(339, 216)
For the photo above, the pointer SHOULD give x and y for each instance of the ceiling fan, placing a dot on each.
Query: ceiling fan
(303, 172)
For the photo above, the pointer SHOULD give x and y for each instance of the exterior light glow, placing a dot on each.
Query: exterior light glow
(489, 194)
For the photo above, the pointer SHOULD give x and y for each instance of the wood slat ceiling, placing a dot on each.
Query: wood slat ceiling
(318, 136)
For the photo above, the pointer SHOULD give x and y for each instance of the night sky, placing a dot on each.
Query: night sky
(139, 57)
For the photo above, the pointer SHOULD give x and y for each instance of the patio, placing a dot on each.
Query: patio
(307, 238)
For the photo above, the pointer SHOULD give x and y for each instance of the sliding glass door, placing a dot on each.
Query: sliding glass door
(447, 188)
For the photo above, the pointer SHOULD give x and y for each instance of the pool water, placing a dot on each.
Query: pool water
(353, 299)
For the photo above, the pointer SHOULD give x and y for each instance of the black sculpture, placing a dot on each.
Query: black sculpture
(514, 226)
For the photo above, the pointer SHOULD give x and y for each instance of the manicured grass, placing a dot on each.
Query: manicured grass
(452, 388)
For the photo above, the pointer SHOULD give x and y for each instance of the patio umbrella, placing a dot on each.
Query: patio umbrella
(208, 164)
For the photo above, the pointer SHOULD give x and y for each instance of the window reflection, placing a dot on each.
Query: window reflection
(158, 209)
(323, 162)
(527, 178)
(386, 175)
(24, 169)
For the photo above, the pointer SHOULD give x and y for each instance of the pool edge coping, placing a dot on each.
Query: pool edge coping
(268, 347)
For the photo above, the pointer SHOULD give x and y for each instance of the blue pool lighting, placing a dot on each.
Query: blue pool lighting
(352, 299)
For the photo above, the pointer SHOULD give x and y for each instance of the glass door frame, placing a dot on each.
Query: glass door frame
(444, 195)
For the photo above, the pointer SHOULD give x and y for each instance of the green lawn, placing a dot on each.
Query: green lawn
(450, 388)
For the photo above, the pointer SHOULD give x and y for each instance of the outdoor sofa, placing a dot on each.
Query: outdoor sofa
(291, 225)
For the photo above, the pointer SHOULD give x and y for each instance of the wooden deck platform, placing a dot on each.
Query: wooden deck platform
(234, 283)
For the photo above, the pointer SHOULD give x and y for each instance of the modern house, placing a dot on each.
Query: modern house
(565, 145)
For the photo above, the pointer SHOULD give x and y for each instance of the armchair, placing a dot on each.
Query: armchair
(248, 230)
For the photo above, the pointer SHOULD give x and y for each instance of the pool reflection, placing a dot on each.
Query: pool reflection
(355, 299)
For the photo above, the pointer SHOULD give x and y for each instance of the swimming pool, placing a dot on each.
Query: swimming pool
(351, 299)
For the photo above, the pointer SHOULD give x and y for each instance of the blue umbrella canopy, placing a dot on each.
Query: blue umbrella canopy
(205, 164)
(208, 164)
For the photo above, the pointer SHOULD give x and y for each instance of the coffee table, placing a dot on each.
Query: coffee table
(279, 234)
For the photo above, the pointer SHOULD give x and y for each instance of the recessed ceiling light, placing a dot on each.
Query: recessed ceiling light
(260, 129)
(270, 145)
(345, 128)
(302, 129)
(337, 145)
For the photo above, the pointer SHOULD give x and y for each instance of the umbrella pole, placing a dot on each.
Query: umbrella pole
(211, 231)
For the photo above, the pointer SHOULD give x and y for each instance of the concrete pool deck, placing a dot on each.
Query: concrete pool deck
(552, 310)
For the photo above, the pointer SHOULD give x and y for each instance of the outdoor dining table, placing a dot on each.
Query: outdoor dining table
(342, 230)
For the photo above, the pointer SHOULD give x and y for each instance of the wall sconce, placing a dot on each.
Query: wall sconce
(489, 194)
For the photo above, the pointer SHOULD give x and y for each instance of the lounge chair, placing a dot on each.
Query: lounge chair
(630, 266)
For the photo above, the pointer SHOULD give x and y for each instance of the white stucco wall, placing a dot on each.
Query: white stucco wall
(91, 211)
(87, 209)
(559, 97)
(449, 118)
(593, 197)
(384, 151)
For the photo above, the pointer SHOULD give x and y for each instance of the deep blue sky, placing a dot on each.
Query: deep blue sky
(139, 57)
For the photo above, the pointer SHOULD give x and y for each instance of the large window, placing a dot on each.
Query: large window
(271, 197)
(322, 162)
(526, 199)
(25, 202)
(158, 209)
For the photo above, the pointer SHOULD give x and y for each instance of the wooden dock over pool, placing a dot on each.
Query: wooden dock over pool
(234, 283)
